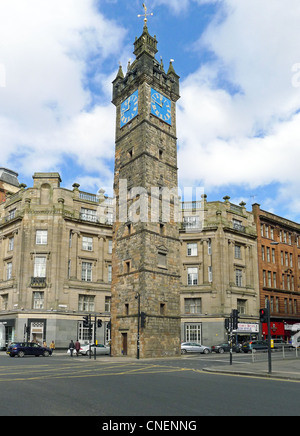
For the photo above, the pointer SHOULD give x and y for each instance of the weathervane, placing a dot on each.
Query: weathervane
(146, 15)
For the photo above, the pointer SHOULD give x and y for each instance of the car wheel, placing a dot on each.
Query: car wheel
(221, 350)
(46, 353)
(205, 351)
(21, 354)
(183, 351)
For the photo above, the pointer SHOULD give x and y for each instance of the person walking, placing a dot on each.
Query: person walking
(71, 348)
(52, 347)
(77, 347)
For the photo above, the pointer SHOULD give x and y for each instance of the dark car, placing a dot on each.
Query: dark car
(22, 349)
(254, 346)
(221, 348)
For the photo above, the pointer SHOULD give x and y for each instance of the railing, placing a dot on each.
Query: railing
(38, 282)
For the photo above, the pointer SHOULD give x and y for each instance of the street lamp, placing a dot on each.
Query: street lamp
(138, 297)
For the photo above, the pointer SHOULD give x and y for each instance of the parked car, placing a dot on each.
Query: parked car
(193, 347)
(254, 345)
(22, 349)
(221, 348)
(100, 349)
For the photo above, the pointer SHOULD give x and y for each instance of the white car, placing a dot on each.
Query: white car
(193, 347)
(100, 349)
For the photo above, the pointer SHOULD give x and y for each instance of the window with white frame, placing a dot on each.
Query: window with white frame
(109, 271)
(193, 332)
(41, 237)
(87, 243)
(38, 300)
(39, 266)
(8, 270)
(86, 271)
(192, 249)
(11, 244)
(192, 274)
(110, 246)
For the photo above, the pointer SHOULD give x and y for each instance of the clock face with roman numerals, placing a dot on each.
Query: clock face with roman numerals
(129, 108)
(161, 106)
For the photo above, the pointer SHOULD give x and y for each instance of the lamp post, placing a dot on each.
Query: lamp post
(138, 297)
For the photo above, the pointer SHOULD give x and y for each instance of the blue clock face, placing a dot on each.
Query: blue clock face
(161, 106)
(129, 108)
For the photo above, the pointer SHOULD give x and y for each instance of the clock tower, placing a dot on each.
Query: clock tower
(145, 309)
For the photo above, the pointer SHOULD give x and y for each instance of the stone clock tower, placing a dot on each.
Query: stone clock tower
(145, 312)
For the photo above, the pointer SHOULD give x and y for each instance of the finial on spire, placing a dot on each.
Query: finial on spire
(145, 14)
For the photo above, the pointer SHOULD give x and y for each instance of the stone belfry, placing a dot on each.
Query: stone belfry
(145, 309)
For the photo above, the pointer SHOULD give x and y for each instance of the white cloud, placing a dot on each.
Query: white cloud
(251, 136)
(46, 47)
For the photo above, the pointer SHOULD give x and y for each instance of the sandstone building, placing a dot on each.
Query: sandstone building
(218, 270)
(55, 249)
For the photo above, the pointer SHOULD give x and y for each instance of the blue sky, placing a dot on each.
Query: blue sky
(238, 119)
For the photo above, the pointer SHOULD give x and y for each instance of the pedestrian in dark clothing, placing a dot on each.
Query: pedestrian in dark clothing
(71, 347)
(77, 347)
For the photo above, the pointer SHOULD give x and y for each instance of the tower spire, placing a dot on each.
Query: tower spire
(145, 14)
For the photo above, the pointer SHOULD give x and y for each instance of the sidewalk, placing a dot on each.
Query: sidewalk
(287, 369)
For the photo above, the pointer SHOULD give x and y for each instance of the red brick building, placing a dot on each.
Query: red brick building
(278, 241)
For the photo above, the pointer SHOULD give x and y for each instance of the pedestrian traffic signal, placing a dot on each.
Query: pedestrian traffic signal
(143, 319)
(263, 315)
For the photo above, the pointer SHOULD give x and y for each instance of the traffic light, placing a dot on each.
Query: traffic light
(235, 319)
(227, 323)
(143, 319)
(263, 315)
(86, 321)
(99, 323)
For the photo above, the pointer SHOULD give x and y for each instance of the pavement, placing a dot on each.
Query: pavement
(286, 369)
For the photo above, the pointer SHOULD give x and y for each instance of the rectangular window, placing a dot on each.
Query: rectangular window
(241, 306)
(86, 271)
(193, 333)
(192, 276)
(41, 237)
(192, 249)
(192, 305)
(109, 270)
(11, 244)
(39, 266)
(86, 303)
(107, 304)
(38, 300)
(87, 243)
(237, 252)
(239, 277)
(8, 270)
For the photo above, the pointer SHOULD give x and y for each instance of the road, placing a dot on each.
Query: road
(61, 386)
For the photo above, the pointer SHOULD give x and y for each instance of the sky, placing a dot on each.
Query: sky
(238, 118)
